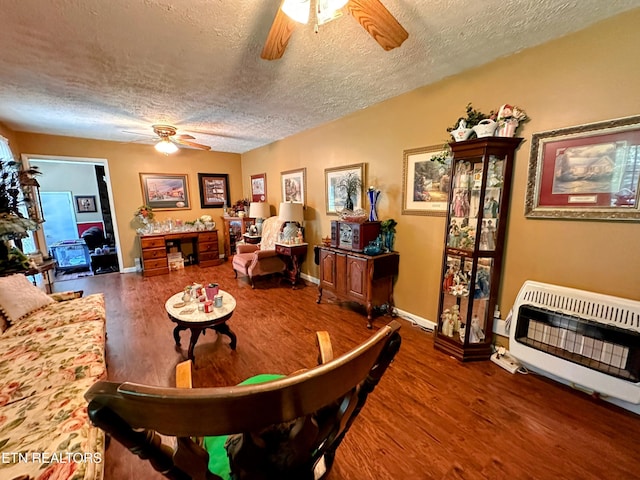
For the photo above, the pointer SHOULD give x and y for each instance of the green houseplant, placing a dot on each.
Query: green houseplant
(13, 224)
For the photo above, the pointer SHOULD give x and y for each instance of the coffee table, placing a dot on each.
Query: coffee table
(198, 321)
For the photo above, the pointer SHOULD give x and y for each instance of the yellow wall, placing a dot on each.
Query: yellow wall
(586, 77)
(126, 161)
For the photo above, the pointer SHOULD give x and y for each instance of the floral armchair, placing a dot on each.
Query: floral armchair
(256, 260)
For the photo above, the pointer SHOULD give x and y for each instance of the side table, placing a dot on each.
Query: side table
(293, 255)
(188, 317)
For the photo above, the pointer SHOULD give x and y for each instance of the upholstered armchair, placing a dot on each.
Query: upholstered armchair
(255, 260)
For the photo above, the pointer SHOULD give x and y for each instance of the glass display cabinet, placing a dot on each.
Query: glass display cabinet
(479, 194)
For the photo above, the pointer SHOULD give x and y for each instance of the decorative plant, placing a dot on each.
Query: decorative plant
(473, 117)
(511, 112)
(144, 214)
(13, 224)
(511, 115)
(350, 183)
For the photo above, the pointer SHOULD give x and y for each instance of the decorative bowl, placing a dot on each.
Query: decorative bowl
(354, 216)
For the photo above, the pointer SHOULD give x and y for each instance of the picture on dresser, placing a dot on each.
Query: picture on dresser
(165, 191)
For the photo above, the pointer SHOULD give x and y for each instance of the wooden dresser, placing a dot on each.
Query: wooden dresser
(154, 250)
(365, 279)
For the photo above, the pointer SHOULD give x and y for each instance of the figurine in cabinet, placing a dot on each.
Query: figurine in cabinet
(476, 335)
(447, 324)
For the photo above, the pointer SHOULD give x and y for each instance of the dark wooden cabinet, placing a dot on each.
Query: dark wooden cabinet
(234, 229)
(154, 250)
(479, 194)
(365, 279)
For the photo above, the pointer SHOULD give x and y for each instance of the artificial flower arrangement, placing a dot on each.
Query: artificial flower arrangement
(144, 214)
(511, 112)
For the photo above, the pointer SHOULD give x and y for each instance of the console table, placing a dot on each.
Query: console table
(365, 279)
(154, 250)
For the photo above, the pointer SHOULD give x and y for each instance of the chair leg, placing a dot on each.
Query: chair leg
(253, 285)
(235, 272)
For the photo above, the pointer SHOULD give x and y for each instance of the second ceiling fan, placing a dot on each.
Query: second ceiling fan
(371, 14)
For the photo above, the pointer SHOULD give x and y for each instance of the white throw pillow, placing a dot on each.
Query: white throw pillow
(19, 297)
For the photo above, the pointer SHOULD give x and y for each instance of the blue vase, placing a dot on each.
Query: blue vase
(373, 195)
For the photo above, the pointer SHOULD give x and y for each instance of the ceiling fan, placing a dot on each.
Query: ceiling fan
(169, 140)
(371, 14)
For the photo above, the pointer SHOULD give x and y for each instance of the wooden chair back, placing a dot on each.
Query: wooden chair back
(315, 406)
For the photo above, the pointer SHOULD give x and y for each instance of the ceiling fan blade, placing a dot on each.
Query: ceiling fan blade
(185, 136)
(191, 144)
(378, 22)
(278, 38)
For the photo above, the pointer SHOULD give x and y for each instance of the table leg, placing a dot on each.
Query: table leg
(195, 334)
(224, 329)
(176, 334)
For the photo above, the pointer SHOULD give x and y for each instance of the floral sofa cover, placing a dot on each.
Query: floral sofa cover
(49, 359)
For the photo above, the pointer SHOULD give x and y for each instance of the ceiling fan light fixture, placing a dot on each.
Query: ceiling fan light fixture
(336, 4)
(166, 146)
(297, 10)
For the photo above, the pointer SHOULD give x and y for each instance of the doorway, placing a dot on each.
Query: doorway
(66, 184)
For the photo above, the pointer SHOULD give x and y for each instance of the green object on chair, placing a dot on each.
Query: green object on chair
(218, 459)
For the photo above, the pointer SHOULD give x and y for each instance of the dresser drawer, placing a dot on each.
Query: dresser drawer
(151, 264)
(151, 242)
(205, 257)
(207, 247)
(208, 237)
(151, 253)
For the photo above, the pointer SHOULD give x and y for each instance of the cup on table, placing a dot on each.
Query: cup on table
(217, 301)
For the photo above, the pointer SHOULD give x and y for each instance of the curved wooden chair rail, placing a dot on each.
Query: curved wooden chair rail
(299, 419)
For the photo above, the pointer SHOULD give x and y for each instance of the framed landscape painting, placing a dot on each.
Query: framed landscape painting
(165, 191)
(214, 190)
(587, 172)
(425, 181)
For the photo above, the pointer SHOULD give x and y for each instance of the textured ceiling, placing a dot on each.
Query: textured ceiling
(104, 69)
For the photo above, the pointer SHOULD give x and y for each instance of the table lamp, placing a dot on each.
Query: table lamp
(292, 215)
(259, 211)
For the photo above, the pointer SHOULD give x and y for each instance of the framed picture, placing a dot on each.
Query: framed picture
(259, 187)
(337, 180)
(294, 186)
(165, 191)
(588, 172)
(214, 190)
(85, 203)
(425, 181)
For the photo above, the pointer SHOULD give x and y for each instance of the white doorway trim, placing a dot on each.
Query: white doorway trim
(27, 157)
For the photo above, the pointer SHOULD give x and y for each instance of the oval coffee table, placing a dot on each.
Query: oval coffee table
(198, 321)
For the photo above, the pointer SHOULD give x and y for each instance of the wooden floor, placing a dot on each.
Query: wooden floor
(431, 417)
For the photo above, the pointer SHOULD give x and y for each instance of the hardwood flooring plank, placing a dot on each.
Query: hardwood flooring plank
(431, 417)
